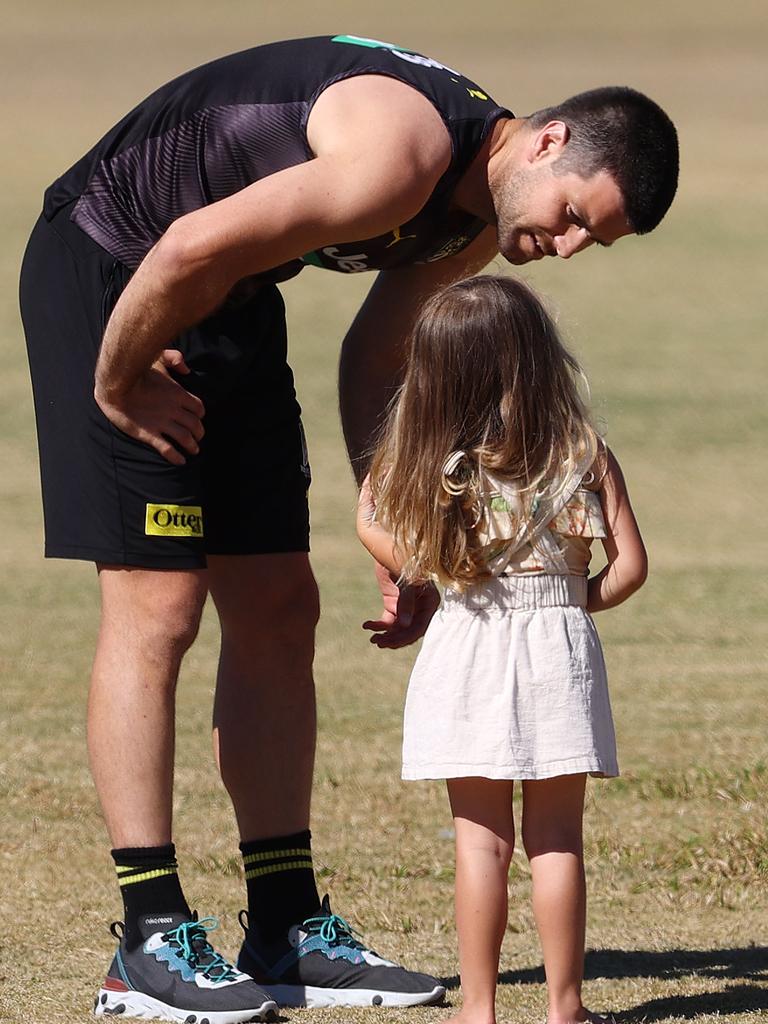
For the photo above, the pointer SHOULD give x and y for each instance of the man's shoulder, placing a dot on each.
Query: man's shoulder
(382, 118)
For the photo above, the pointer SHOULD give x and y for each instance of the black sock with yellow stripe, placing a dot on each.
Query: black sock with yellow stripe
(281, 883)
(149, 884)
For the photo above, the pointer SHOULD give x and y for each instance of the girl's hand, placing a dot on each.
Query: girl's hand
(407, 611)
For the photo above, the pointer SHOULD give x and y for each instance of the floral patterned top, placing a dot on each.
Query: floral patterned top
(559, 543)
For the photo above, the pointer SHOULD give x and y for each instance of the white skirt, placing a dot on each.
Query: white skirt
(510, 683)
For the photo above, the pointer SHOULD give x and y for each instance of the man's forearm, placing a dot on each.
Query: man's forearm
(373, 353)
(369, 370)
(162, 299)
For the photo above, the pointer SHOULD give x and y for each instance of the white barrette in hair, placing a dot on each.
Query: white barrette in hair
(453, 462)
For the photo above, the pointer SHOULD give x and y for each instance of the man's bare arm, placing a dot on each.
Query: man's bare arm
(369, 371)
(373, 351)
(364, 180)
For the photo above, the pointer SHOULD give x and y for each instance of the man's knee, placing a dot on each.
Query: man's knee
(269, 609)
(294, 619)
(286, 619)
(159, 610)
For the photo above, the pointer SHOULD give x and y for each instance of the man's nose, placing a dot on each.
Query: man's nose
(573, 240)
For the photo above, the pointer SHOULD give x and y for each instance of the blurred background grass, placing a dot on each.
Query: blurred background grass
(671, 329)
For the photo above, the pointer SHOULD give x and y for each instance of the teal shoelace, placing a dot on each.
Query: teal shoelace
(332, 929)
(191, 937)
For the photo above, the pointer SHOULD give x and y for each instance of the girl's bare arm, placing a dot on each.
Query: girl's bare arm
(378, 541)
(627, 566)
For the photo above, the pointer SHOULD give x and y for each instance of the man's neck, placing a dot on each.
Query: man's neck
(473, 194)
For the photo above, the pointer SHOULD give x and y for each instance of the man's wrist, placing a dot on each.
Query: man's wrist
(105, 390)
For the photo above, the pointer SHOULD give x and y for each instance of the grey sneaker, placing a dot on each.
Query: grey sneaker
(322, 963)
(175, 974)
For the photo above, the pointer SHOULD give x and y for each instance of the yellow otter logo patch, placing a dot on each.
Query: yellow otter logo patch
(174, 521)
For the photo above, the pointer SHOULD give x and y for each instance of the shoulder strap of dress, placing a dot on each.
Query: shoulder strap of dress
(530, 532)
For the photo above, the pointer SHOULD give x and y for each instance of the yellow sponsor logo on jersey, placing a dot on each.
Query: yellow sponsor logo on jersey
(397, 237)
(478, 95)
(174, 521)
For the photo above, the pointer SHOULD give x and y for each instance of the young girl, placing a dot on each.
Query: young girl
(490, 479)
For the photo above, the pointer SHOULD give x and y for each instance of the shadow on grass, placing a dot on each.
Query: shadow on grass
(733, 999)
(746, 964)
(750, 962)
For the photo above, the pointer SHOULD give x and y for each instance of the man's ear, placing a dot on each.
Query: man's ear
(548, 142)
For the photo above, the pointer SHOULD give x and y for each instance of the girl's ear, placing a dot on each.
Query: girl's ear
(549, 142)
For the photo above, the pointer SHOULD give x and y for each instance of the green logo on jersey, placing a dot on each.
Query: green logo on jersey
(397, 51)
(374, 44)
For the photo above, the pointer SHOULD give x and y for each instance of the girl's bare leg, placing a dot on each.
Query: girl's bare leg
(485, 839)
(552, 816)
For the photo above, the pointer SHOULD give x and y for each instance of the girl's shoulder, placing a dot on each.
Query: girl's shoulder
(581, 516)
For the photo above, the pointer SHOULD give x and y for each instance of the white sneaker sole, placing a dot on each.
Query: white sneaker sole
(318, 998)
(138, 1004)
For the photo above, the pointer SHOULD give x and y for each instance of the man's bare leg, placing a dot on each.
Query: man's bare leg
(149, 619)
(264, 730)
(264, 713)
(264, 735)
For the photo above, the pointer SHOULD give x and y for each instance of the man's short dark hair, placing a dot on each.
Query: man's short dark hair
(621, 131)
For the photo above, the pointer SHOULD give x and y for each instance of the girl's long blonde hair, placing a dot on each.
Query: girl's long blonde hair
(487, 376)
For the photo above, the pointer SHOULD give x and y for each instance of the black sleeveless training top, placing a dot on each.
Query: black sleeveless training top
(222, 126)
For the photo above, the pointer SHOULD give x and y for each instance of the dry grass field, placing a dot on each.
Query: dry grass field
(672, 331)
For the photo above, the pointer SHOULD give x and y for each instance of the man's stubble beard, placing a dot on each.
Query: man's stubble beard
(509, 204)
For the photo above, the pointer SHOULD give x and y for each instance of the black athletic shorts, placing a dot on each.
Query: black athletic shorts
(112, 499)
